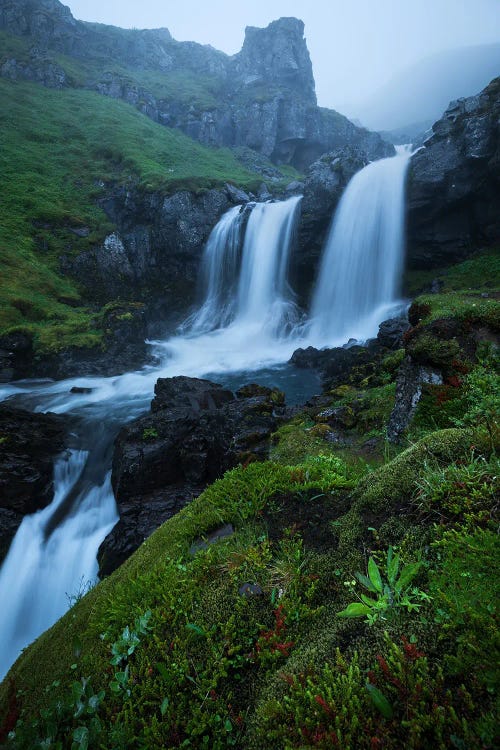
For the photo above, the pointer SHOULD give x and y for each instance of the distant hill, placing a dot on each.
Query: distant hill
(422, 92)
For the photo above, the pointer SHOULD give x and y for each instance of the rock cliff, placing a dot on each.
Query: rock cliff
(262, 98)
(454, 182)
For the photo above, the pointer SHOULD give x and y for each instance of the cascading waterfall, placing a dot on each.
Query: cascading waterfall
(244, 270)
(45, 565)
(362, 262)
(244, 324)
(264, 296)
(219, 274)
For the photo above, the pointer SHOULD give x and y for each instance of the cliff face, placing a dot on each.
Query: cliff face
(454, 182)
(262, 98)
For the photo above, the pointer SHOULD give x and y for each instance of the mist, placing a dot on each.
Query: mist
(356, 47)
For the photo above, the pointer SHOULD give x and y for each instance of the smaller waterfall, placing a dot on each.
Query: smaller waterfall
(244, 271)
(47, 562)
(219, 274)
(264, 296)
(361, 267)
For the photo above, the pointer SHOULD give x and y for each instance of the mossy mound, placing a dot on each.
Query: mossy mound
(238, 642)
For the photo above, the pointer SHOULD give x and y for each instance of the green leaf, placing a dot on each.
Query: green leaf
(380, 701)
(365, 581)
(356, 609)
(407, 575)
(164, 706)
(195, 628)
(162, 669)
(374, 575)
(81, 737)
(228, 726)
(392, 567)
(368, 601)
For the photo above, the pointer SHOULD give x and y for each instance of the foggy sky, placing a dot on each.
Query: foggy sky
(355, 45)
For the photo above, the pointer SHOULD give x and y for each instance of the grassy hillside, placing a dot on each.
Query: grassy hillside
(353, 607)
(59, 149)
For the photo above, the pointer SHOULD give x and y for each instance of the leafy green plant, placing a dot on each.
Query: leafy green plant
(466, 492)
(72, 715)
(482, 387)
(149, 433)
(390, 589)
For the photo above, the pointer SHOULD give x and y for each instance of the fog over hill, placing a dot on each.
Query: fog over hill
(422, 92)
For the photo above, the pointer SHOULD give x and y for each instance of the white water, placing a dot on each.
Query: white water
(219, 274)
(44, 567)
(362, 263)
(245, 324)
(244, 272)
(265, 300)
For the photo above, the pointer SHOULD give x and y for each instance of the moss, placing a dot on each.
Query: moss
(425, 347)
(392, 483)
(224, 666)
(297, 439)
(391, 362)
(469, 307)
(59, 150)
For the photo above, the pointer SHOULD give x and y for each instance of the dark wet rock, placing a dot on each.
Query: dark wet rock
(223, 532)
(454, 182)
(195, 432)
(154, 255)
(390, 332)
(190, 393)
(123, 348)
(80, 389)
(236, 195)
(16, 356)
(276, 396)
(337, 366)
(250, 589)
(339, 416)
(410, 381)
(29, 444)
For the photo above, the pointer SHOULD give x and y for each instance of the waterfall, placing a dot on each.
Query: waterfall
(219, 274)
(53, 555)
(247, 321)
(244, 270)
(362, 262)
(264, 296)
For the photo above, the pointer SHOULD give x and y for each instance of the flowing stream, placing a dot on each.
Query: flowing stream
(245, 329)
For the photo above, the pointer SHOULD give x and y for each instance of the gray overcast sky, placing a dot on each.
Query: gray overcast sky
(355, 45)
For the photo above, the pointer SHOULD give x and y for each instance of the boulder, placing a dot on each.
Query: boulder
(195, 432)
(390, 332)
(29, 444)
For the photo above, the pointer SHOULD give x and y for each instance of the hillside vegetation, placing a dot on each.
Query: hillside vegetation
(355, 604)
(60, 151)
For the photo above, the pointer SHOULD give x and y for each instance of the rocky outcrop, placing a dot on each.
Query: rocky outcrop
(454, 182)
(28, 445)
(325, 182)
(196, 430)
(262, 98)
(39, 69)
(340, 365)
(125, 329)
(155, 252)
(410, 381)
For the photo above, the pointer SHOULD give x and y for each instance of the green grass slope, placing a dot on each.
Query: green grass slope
(59, 148)
(352, 607)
